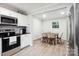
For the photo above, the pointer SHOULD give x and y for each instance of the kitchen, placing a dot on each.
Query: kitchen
(13, 35)
(18, 29)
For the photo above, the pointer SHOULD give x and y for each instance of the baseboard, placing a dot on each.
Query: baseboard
(37, 39)
(25, 47)
(20, 49)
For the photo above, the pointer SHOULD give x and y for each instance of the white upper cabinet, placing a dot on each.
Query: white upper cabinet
(22, 20)
(12, 13)
(7, 12)
(4, 11)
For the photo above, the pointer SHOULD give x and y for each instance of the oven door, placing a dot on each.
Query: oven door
(9, 43)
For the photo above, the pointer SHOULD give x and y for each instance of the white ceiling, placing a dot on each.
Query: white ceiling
(52, 15)
(51, 10)
(29, 7)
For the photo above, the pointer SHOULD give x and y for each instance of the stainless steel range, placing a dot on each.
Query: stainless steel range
(10, 35)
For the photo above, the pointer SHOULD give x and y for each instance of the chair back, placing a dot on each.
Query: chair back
(49, 35)
(44, 34)
(61, 35)
(53, 35)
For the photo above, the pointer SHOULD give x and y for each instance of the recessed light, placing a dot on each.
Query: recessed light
(44, 15)
(62, 13)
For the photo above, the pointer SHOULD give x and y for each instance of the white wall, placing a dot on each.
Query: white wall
(47, 26)
(37, 28)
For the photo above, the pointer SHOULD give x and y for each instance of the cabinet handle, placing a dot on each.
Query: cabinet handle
(5, 38)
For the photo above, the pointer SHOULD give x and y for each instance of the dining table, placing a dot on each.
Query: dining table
(52, 38)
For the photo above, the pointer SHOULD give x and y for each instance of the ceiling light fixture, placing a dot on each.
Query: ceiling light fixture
(62, 13)
(44, 15)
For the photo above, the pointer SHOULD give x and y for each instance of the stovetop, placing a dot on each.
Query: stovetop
(8, 28)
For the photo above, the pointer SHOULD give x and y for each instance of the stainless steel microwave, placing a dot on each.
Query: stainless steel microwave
(8, 20)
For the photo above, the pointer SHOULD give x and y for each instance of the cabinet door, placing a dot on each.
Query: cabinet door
(12, 13)
(4, 11)
(25, 40)
(29, 39)
(22, 20)
(7, 12)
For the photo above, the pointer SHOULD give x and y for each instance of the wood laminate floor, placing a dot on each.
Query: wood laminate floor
(43, 49)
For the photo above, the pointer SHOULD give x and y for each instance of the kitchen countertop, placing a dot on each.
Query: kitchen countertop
(16, 35)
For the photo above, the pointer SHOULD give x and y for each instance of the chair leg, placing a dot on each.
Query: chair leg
(52, 42)
(48, 40)
(56, 41)
(60, 41)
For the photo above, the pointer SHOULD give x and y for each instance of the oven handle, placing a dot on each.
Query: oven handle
(6, 38)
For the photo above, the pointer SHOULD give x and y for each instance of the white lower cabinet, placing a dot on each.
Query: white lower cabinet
(25, 40)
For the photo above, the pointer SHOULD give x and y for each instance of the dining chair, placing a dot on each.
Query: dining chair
(44, 37)
(54, 37)
(59, 38)
(51, 38)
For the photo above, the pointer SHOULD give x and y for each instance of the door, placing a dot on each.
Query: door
(71, 39)
(77, 27)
